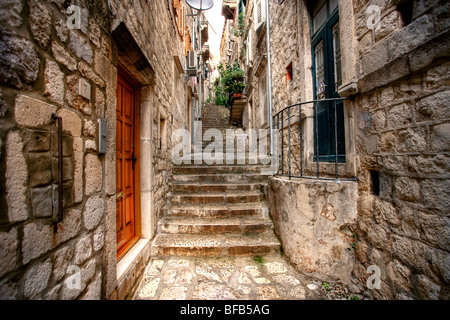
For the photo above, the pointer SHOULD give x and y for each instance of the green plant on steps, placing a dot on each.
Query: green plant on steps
(258, 260)
(231, 81)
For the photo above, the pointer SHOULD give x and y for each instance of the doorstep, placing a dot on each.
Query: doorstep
(131, 267)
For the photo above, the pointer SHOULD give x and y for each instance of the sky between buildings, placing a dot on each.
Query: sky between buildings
(215, 18)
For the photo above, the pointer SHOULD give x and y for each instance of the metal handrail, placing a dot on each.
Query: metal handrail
(312, 101)
(276, 120)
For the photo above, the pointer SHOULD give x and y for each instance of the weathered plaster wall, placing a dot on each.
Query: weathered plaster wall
(315, 222)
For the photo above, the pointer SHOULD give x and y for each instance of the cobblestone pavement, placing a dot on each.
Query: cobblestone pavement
(268, 277)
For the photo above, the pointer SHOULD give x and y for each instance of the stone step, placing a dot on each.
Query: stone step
(224, 158)
(221, 127)
(220, 198)
(191, 225)
(213, 245)
(214, 169)
(218, 211)
(216, 187)
(221, 177)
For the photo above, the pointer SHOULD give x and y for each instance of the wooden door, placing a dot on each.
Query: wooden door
(126, 158)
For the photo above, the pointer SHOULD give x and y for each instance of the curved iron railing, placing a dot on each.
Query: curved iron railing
(279, 118)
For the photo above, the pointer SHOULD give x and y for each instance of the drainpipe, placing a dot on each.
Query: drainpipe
(269, 77)
(199, 17)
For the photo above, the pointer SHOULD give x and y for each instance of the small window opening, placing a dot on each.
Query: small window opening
(289, 75)
(162, 134)
(375, 177)
(405, 8)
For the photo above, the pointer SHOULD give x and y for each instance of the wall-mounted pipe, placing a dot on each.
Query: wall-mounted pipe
(269, 77)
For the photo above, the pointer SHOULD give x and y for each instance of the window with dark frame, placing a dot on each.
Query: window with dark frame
(327, 77)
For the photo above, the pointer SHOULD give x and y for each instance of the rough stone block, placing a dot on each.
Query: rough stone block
(99, 103)
(69, 227)
(54, 82)
(81, 47)
(21, 60)
(63, 57)
(94, 33)
(87, 273)
(375, 58)
(93, 173)
(433, 107)
(93, 212)
(435, 228)
(436, 193)
(378, 120)
(11, 13)
(410, 37)
(411, 140)
(440, 137)
(94, 289)
(40, 166)
(36, 279)
(98, 239)
(41, 200)
(67, 169)
(438, 76)
(399, 115)
(87, 72)
(37, 240)
(30, 112)
(67, 141)
(89, 128)
(16, 178)
(387, 25)
(61, 261)
(78, 169)
(90, 145)
(426, 288)
(38, 141)
(61, 30)
(83, 250)
(387, 142)
(8, 248)
(407, 189)
(40, 23)
(71, 122)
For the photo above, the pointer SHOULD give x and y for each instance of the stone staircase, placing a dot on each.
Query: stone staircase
(216, 210)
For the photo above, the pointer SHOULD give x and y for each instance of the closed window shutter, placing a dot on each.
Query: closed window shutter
(259, 11)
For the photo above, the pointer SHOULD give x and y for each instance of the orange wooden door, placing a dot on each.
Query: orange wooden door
(125, 166)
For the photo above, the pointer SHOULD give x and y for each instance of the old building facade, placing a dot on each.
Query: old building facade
(119, 89)
(384, 149)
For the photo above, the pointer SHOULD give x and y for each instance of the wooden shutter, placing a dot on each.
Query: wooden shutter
(259, 12)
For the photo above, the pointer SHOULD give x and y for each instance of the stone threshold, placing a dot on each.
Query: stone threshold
(130, 268)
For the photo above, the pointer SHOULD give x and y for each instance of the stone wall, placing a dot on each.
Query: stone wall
(42, 61)
(403, 146)
(315, 221)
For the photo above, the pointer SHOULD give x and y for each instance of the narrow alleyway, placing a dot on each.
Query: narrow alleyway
(216, 240)
(267, 277)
